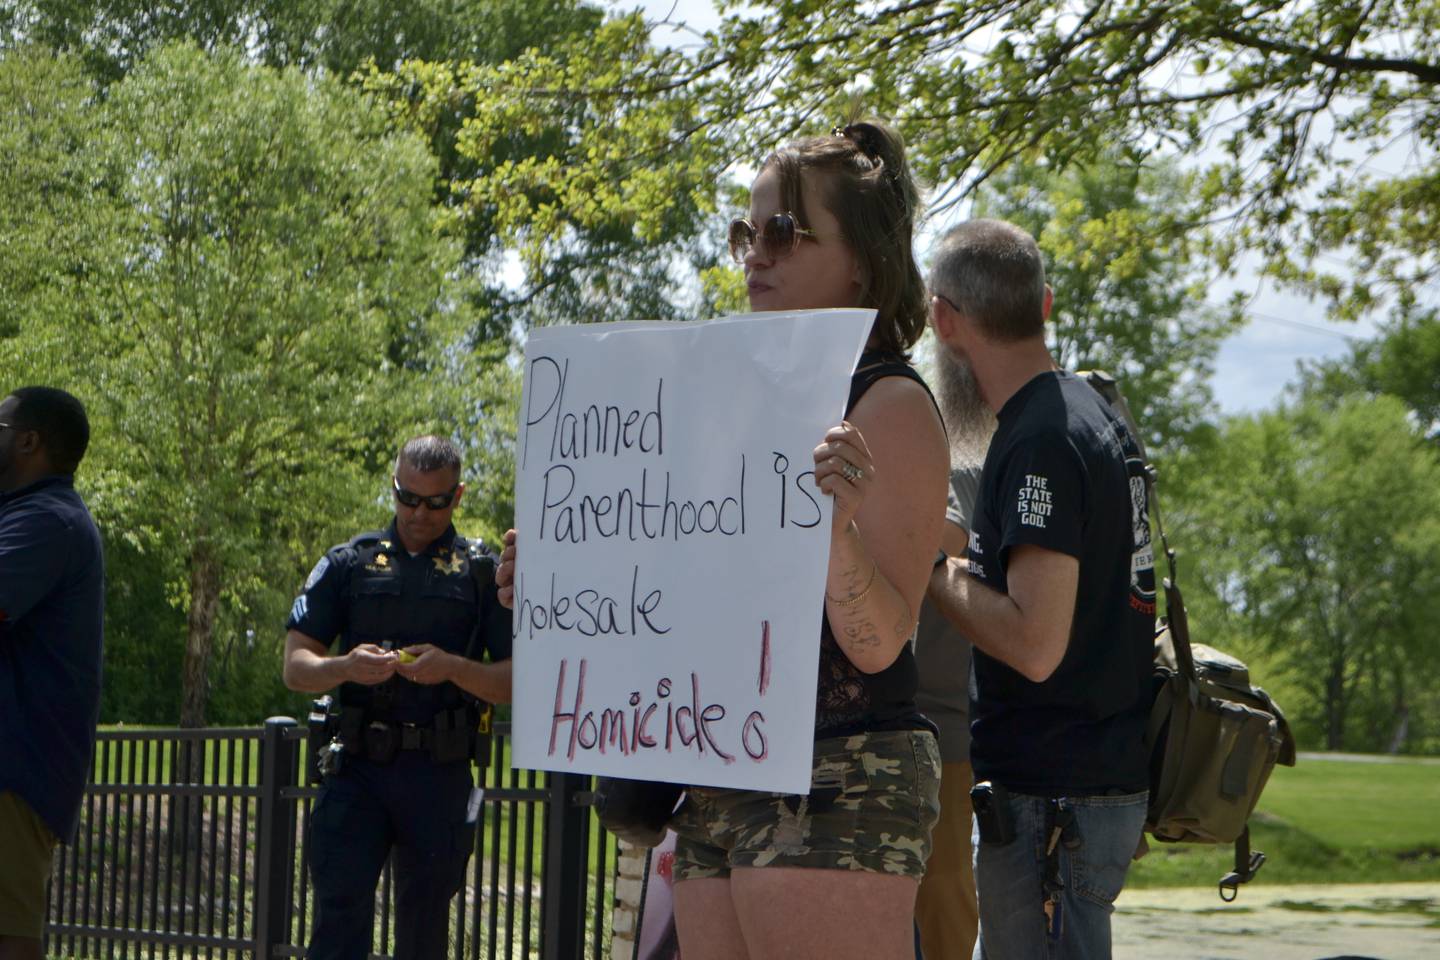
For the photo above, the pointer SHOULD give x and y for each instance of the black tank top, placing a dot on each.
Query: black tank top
(848, 700)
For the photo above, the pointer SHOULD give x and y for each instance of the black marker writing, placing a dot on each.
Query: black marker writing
(752, 737)
(781, 464)
(587, 611)
(594, 429)
(636, 512)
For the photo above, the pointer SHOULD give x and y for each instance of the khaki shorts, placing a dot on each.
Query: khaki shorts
(27, 849)
(874, 799)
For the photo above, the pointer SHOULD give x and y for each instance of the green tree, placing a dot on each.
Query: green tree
(1403, 360)
(1128, 281)
(1295, 102)
(569, 162)
(1315, 534)
(543, 150)
(334, 36)
(256, 305)
(44, 126)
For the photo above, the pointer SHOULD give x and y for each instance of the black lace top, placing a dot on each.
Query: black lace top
(848, 700)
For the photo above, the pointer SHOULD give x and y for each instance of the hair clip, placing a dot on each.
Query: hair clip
(863, 136)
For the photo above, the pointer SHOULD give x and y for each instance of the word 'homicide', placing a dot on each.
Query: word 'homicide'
(637, 726)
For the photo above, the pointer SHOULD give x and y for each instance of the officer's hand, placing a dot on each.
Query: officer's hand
(426, 664)
(505, 573)
(369, 664)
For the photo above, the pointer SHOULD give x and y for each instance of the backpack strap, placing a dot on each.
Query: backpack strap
(1247, 864)
(1109, 390)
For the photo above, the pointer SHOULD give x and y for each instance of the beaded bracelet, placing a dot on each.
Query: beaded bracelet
(859, 596)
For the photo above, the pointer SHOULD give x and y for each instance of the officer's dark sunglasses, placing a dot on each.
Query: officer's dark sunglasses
(781, 234)
(436, 501)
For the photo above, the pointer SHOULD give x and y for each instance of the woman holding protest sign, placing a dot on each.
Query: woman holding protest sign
(834, 873)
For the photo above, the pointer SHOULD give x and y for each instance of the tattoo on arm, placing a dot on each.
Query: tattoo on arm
(855, 624)
(861, 634)
(854, 580)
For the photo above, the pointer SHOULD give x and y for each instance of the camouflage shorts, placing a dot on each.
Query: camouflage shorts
(874, 799)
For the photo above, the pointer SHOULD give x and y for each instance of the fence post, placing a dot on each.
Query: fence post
(275, 850)
(567, 852)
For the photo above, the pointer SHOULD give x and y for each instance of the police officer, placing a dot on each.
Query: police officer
(414, 613)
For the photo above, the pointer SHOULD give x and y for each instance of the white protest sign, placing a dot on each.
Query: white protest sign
(673, 545)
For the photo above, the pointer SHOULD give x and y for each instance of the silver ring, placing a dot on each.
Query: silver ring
(851, 472)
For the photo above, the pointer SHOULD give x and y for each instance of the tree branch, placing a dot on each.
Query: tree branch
(1428, 72)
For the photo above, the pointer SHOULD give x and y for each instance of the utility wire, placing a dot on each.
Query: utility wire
(1302, 325)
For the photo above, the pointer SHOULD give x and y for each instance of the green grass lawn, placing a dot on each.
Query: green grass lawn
(1324, 821)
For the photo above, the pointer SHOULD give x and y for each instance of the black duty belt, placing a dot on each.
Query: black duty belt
(414, 736)
(451, 735)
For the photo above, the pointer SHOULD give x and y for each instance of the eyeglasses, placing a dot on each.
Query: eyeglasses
(435, 501)
(947, 301)
(781, 235)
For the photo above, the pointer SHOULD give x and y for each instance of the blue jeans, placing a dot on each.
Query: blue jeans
(1009, 880)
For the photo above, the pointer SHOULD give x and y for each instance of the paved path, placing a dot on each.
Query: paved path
(1392, 921)
(1370, 758)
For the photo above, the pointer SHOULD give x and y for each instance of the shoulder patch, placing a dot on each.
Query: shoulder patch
(318, 572)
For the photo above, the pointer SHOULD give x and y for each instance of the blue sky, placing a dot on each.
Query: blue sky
(1254, 365)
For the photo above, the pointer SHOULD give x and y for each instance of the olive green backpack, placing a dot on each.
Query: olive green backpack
(1214, 737)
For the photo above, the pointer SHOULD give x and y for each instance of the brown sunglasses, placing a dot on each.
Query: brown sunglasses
(780, 234)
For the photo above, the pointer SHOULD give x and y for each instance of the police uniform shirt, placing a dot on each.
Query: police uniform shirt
(371, 590)
(1063, 473)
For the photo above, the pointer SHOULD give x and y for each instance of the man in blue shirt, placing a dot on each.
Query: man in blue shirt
(51, 604)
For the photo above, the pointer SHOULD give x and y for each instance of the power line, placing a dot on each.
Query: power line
(1302, 325)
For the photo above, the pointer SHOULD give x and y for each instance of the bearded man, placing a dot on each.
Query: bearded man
(1057, 594)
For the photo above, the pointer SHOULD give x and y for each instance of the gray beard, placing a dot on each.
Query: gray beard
(969, 423)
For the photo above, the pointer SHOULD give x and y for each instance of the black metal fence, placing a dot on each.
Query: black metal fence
(192, 843)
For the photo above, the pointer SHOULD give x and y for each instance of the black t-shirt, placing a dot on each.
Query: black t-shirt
(1063, 473)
